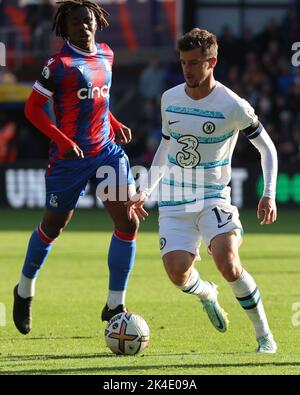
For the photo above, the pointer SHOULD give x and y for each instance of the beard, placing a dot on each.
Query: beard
(195, 84)
(192, 86)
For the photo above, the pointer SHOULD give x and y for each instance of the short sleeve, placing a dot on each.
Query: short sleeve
(50, 75)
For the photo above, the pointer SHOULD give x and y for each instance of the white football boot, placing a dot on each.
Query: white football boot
(266, 344)
(217, 315)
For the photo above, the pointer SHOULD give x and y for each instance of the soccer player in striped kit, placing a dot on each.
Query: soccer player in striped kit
(201, 121)
(78, 79)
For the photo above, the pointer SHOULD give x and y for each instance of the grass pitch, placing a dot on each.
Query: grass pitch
(67, 335)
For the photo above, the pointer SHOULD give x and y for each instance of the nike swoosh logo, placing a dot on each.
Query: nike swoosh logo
(220, 326)
(171, 123)
(221, 226)
(81, 69)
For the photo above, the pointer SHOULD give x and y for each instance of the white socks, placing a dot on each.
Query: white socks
(115, 298)
(248, 296)
(196, 286)
(26, 288)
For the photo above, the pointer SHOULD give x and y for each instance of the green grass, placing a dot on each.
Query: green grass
(67, 337)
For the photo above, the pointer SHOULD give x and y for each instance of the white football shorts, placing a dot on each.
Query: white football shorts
(183, 230)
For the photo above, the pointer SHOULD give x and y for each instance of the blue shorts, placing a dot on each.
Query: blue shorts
(66, 180)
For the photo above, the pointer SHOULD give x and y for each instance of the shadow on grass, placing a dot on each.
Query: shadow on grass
(43, 357)
(114, 369)
(21, 339)
(12, 358)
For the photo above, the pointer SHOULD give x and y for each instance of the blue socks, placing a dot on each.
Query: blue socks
(120, 262)
(121, 259)
(38, 249)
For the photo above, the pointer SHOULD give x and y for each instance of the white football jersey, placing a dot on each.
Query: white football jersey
(203, 134)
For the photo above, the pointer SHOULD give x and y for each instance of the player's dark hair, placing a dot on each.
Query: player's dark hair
(199, 38)
(59, 22)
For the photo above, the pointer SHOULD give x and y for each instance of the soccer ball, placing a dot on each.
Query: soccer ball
(127, 334)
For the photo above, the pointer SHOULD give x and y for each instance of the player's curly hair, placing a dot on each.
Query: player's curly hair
(199, 38)
(59, 24)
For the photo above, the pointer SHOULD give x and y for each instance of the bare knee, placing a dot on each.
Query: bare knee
(224, 250)
(178, 277)
(128, 226)
(229, 265)
(231, 272)
(178, 270)
(54, 223)
(118, 213)
(52, 230)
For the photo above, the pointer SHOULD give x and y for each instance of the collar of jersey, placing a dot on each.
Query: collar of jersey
(209, 96)
(82, 51)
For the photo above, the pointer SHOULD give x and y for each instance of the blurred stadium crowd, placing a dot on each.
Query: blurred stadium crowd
(257, 67)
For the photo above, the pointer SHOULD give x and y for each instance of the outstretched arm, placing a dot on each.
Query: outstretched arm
(136, 205)
(263, 143)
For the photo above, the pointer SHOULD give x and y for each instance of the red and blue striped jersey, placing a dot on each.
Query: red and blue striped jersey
(79, 83)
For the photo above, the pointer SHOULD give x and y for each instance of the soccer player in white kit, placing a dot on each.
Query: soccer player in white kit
(201, 120)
